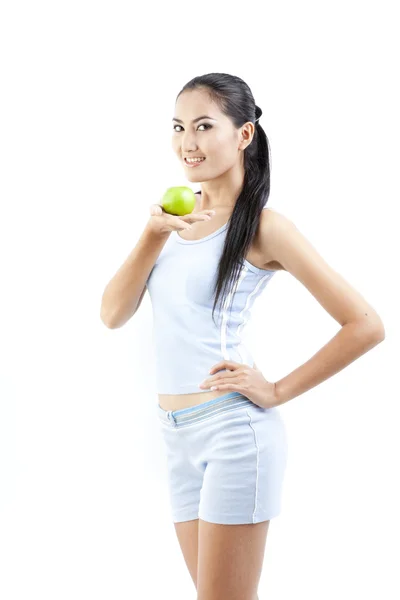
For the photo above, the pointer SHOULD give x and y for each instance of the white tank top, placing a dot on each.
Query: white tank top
(187, 342)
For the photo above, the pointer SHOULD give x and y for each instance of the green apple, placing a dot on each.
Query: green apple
(178, 201)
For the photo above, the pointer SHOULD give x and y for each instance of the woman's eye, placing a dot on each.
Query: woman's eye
(202, 125)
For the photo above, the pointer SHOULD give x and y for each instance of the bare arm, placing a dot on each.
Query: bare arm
(123, 294)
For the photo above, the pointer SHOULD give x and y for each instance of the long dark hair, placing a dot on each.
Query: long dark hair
(235, 100)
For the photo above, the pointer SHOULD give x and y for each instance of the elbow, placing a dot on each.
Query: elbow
(107, 319)
(114, 321)
(377, 329)
(370, 328)
(380, 334)
(106, 315)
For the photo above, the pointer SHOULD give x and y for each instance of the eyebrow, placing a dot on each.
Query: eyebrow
(194, 120)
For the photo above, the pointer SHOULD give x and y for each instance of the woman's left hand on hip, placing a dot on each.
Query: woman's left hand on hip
(246, 380)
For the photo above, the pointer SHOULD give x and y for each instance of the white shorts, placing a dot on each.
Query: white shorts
(226, 460)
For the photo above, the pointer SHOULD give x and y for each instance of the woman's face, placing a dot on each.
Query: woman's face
(213, 136)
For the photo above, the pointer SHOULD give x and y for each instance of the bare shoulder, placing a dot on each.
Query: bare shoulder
(286, 244)
(270, 222)
(274, 219)
(283, 242)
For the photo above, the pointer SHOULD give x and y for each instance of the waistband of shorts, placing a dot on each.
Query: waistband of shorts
(200, 412)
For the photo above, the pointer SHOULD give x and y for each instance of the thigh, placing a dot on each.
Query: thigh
(230, 560)
(184, 475)
(245, 466)
(188, 535)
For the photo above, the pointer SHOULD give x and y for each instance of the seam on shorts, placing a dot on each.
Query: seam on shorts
(255, 440)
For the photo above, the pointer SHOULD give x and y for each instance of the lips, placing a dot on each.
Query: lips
(194, 164)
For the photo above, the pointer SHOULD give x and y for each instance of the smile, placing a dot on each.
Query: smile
(193, 163)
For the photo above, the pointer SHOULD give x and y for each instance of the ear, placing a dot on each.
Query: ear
(247, 134)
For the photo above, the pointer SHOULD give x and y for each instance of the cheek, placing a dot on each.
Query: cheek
(222, 147)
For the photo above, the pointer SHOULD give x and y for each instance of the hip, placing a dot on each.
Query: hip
(180, 401)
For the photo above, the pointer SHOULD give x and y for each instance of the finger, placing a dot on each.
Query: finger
(197, 217)
(228, 364)
(200, 217)
(207, 211)
(182, 224)
(229, 387)
(156, 210)
(225, 376)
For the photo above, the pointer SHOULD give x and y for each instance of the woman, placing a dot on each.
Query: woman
(226, 445)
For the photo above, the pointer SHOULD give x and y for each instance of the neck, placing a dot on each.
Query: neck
(222, 192)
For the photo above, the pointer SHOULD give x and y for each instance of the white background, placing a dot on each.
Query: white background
(87, 98)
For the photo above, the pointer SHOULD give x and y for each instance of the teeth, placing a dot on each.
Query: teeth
(189, 160)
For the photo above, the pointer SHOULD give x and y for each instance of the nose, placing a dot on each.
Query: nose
(188, 142)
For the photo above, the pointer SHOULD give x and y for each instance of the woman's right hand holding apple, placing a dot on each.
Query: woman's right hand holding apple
(162, 222)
